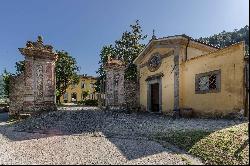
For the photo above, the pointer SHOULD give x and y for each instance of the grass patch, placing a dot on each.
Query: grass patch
(185, 160)
(183, 139)
(229, 146)
(17, 118)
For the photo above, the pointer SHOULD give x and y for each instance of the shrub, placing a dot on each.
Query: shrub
(82, 102)
(90, 102)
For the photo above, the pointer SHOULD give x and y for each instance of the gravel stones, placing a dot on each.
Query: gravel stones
(92, 136)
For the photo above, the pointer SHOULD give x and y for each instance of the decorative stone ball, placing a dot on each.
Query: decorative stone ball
(39, 39)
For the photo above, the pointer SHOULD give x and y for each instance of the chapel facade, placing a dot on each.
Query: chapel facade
(180, 73)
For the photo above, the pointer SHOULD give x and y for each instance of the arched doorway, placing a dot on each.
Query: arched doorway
(74, 97)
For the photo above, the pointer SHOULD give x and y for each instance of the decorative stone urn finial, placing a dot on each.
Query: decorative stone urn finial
(40, 39)
(38, 49)
(37, 83)
(113, 63)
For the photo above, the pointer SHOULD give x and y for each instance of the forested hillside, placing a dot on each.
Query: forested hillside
(224, 38)
(1, 86)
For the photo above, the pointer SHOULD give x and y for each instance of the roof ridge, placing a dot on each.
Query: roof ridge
(189, 37)
(220, 50)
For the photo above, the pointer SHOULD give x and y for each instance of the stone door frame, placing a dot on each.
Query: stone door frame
(149, 83)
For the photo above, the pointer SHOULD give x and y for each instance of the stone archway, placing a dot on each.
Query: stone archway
(154, 93)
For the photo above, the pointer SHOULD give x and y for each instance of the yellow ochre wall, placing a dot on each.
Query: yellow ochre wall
(166, 67)
(78, 89)
(194, 52)
(230, 61)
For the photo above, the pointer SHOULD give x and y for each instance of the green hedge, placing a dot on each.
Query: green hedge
(82, 102)
(88, 102)
(91, 102)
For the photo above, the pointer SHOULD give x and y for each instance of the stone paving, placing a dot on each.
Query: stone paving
(91, 136)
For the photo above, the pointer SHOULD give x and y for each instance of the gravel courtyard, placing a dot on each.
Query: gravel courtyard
(92, 136)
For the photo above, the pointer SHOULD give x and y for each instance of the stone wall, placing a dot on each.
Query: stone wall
(16, 95)
(131, 89)
(39, 84)
(121, 94)
(115, 87)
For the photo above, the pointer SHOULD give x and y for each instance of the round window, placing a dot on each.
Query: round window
(154, 62)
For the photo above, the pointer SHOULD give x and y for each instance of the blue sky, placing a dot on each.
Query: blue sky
(82, 27)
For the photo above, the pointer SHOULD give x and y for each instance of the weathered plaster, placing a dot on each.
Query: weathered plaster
(38, 84)
(178, 82)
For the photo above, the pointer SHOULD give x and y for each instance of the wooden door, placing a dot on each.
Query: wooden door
(155, 97)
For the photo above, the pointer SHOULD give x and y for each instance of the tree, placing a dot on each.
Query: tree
(225, 39)
(126, 49)
(1, 86)
(66, 73)
(6, 79)
(105, 52)
(20, 67)
(129, 47)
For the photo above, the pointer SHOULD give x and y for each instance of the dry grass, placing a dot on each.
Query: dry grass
(229, 146)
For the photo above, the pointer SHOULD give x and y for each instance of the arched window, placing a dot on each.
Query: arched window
(84, 95)
(83, 85)
(65, 97)
(74, 97)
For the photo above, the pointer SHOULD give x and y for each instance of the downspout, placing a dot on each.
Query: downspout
(187, 48)
(246, 75)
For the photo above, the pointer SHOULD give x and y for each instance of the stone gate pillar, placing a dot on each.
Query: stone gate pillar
(39, 76)
(114, 83)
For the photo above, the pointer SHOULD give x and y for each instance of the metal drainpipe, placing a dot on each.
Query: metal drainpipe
(186, 49)
(246, 74)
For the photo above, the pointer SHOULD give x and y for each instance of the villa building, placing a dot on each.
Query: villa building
(75, 93)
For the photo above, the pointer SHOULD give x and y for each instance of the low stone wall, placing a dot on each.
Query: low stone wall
(16, 94)
(131, 89)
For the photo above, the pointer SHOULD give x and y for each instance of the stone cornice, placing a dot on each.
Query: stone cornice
(162, 57)
(173, 41)
(155, 76)
(114, 64)
(38, 50)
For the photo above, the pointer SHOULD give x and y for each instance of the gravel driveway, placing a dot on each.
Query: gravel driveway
(92, 136)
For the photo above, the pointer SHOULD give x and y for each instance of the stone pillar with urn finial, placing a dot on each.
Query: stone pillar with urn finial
(34, 89)
(114, 91)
